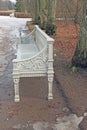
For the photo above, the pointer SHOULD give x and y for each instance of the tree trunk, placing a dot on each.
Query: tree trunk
(51, 7)
(37, 9)
(43, 13)
(80, 56)
(40, 9)
(19, 7)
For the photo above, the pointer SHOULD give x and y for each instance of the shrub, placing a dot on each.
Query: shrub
(17, 14)
(50, 29)
(5, 13)
(22, 15)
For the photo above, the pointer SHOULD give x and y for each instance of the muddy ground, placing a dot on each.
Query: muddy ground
(69, 88)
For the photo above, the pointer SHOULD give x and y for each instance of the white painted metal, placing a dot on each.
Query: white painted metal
(34, 59)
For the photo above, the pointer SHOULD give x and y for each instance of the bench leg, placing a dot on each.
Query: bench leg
(50, 85)
(16, 89)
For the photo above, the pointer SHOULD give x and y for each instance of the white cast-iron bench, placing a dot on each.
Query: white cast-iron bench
(34, 59)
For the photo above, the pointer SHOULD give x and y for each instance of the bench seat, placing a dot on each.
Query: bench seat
(27, 51)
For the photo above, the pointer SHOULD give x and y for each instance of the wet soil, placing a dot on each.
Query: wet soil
(72, 81)
(69, 88)
(34, 105)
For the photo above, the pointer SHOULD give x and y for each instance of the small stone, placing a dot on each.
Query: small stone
(7, 119)
(28, 122)
(58, 114)
(55, 55)
(85, 114)
(65, 109)
(74, 69)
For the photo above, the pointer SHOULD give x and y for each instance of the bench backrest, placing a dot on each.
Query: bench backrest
(41, 38)
(45, 43)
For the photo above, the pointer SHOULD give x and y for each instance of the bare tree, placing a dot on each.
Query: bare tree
(80, 55)
(51, 11)
(69, 9)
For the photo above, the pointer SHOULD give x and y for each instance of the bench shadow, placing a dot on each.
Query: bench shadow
(36, 87)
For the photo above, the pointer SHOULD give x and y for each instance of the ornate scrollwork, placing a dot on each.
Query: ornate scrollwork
(37, 63)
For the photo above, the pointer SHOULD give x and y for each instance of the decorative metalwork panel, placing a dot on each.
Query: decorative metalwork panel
(39, 62)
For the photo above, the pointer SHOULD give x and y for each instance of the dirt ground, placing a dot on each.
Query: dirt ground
(72, 82)
(69, 87)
